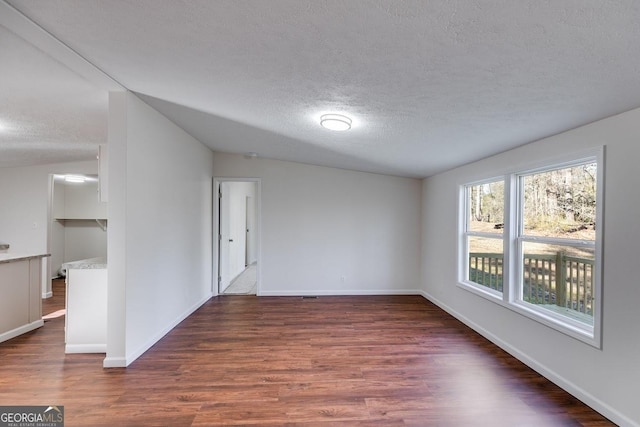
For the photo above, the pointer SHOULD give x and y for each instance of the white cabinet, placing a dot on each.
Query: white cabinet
(86, 317)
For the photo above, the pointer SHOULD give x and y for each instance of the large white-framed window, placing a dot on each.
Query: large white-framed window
(542, 256)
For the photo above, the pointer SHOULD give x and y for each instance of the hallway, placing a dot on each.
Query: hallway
(245, 283)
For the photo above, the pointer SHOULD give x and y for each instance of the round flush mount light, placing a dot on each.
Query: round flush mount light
(335, 122)
(75, 178)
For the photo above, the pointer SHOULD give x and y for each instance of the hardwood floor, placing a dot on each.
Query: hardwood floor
(57, 301)
(338, 361)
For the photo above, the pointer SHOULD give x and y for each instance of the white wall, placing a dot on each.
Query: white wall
(607, 379)
(84, 239)
(82, 201)
(57, 232)
(321, 224)
(72, 240)
(160, 227)
(24, 196)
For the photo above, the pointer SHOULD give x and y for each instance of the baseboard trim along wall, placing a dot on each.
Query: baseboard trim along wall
(114, 362)
(46, 295)
(21, 330)
(347, 292)
(140, 351)
(551, 375)
(85, 348)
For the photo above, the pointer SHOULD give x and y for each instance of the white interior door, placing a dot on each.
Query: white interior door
(224, 239)
(247, 244)
(251, 229)
(237, 227)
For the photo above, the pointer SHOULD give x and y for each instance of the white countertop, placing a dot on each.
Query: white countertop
(98, 262)
(9, 257)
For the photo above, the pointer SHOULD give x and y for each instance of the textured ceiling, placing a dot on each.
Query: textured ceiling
(48, 114)
(429, 84)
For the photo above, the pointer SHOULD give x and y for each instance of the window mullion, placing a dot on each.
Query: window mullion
(510, 233)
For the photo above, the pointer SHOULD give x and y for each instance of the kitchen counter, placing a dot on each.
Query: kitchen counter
(89, 263)
(8, 257)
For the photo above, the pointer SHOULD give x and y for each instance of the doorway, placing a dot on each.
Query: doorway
(237, 227)
(77, 241)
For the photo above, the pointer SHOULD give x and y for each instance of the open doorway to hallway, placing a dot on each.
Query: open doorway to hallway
(238, 236)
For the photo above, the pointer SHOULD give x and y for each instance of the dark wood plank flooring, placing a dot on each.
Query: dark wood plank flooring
(338, 361)
(57, 300)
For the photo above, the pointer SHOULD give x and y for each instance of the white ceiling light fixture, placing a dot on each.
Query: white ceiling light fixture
(336, 122)
(75, 178)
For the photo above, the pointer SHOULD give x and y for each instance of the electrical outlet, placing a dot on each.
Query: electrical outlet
(343, 279)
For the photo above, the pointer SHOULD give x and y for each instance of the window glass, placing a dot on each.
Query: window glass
(560, 279)
(486, 261)
(561, 203)
(486, 207)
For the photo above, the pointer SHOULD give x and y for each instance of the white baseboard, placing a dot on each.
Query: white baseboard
(581, 394)
(21, 330)
(339, 292)
(114, 362)
(85, 348)
(142, 349)
(46, 295)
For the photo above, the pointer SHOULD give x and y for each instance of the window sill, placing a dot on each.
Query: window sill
(483, 291)
(571, 327)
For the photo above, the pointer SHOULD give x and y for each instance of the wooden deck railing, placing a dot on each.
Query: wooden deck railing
(556, 279)
(486, 269)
